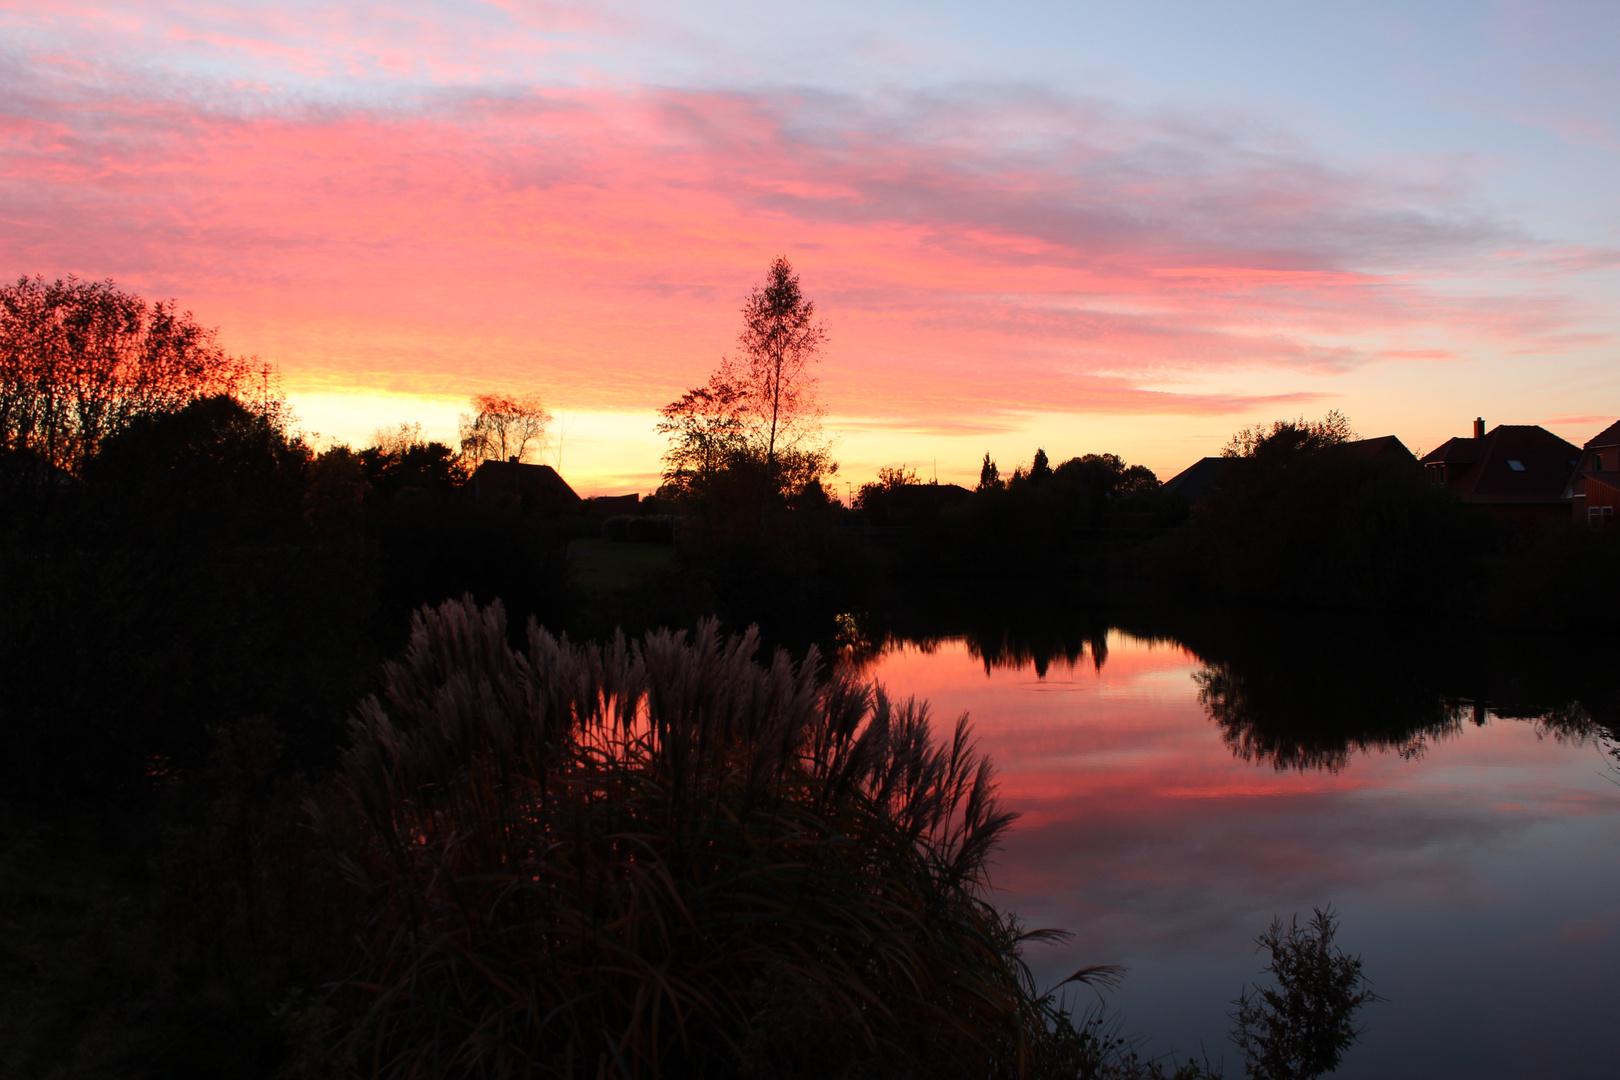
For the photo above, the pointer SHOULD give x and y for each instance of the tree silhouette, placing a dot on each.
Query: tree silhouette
(1041, 468)
(80, 360)
(706, 429)
(503, 427)
(780, 340)
(757, 415)
(1301, 1029)
(989, 475)
(1288, 436)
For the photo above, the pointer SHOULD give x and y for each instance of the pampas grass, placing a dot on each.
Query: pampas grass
(663, 858)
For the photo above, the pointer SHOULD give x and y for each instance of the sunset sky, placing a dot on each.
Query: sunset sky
(1127, 227)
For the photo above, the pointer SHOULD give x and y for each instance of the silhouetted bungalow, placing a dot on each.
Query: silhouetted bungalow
(537, 486)
(1594, 490)
(1520, 472)
(1198, 482)
(1386, 449)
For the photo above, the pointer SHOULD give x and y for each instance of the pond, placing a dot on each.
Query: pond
(1455, 800)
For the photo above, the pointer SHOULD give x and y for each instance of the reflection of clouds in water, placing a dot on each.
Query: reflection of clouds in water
(1139, 827)
(1169, 875)
(1465, 873)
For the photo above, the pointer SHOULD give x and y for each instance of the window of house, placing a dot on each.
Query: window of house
(1516, 465)
(1597, 462)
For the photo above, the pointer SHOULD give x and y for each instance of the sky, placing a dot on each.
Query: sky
(1089, 227)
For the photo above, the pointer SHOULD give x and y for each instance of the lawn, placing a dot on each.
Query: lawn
(602, 567)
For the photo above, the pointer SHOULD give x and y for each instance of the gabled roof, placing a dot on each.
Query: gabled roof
(1383, 448)
(1609, 436)
(1455, 452)
(1198, 481)
(540, 482)
(1512, 463)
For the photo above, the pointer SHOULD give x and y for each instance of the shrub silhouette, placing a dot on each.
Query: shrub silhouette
(645, 530)
(663, 857)
(1301, 1029)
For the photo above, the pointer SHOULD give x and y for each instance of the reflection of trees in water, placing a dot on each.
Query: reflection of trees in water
(1269, 720)
(1290, 693)
(1015, 652)
(1300, 733)
(1571, 724)
(994, 636)
(1302, 740)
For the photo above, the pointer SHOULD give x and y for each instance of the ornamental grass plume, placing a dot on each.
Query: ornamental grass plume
(662, 858)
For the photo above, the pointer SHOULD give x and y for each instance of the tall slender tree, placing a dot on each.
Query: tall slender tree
(780, 340)
(758, 410)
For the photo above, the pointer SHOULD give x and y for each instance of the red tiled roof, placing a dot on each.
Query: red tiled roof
(1480, 471)
(1609, 436)
(1454, 452)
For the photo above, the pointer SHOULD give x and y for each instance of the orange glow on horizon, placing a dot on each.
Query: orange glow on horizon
(595, 244)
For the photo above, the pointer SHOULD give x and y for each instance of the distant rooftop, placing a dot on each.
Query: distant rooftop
(1511, 464)
(1197, 482)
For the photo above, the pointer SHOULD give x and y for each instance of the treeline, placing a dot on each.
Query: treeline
(173, 557)
(204, 565)
(1299, 517)
(1062, 520)
(1303, 517)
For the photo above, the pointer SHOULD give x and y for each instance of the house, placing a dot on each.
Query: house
(1385, 449)
(1198, 482)
(1594, 489)
(535, 486)
(1520, 472)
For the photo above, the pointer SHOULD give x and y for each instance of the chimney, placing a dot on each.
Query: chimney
(1479, 427)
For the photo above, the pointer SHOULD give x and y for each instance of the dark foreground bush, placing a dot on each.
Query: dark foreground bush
(1302, 1028)
(662, 858)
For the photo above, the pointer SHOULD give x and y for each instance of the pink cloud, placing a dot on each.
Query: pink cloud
(975, 253)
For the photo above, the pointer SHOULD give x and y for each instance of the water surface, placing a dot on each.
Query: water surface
(1174, 800)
